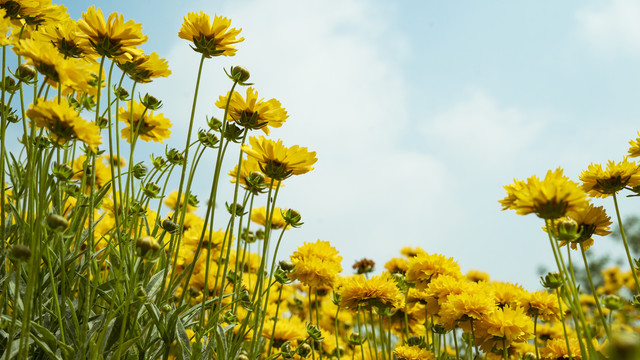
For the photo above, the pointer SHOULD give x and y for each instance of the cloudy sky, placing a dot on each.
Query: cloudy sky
(420, 111)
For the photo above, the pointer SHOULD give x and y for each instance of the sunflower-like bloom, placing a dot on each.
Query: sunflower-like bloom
(397, 265)
(34, 12)
(425, 267)
(210, 39)
(48, 61)
(550, 198)
(507, 294)
(590, 220)
(542, 305)
(634, 150)
(103, 175)
(253, 113)
(511, 325)
(113, 38)
(64, 123)
(146, 125)
(259, 216)
(67, 38)
(406, 352)
(598, 182)
(379, 291)
(172, 201)
(439, 289)
(277, 161)
(143, 68)
(316, 264)
(287, 329)
(557, 349)
(473, 304)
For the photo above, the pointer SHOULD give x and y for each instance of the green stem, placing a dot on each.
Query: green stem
(595, 295)
(626, 245)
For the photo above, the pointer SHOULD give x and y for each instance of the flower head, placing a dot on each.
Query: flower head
(210, 38)
(113, 38)
(259, 216)
(550, 198)
(425, 267)
(407, 352)
(144, 123)
(599, 182)
(67, 38)
(316, 264)
(590, 220)
(278, 161)
(253, 113)
(64, 123)
(379, 291)
(251, 176)
(142, 68)
(634, 150)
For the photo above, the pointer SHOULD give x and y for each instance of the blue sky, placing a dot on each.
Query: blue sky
(420, 111)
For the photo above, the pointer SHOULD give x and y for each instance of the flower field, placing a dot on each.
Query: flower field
(104, 258)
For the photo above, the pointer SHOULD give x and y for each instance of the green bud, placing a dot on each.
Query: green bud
(235, 209)
(151, 190)
(139, 171)
(159, 163)
(239, 74)
(304, 350)
(214, 123)
(150, 102)
(147, 247)
(21, 252)
(286, 351)
(121, 93)
(57, 222)
(613, 302)
(233, 133)
(209, 140)
(25, 73)
(63, 172)
(9, 85)
(292, 218)
(551, 280)
(165, 308)
(286, 265)
(355, 339)
(169, 226)
(314, 332)
(175, 157)
(567, 230)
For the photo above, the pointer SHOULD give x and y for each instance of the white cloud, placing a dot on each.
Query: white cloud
(614, 27)
(485, 131)
(337, 74)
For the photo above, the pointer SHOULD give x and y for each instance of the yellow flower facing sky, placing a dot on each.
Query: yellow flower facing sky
(550, 198)
(599, 182)
(379, 291)
(210, 38)
(146, 125)
(316, 264)
(278, 161)
(253, 113)
(113, 38)
(64, 123)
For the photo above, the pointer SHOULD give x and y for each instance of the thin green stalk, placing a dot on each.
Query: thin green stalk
(535, 335)
(595, 295)
(626, 245)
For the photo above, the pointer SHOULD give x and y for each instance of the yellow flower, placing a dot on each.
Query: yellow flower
(259, 216)
(440, 288)
(253, 113)
(410, 252)
(601, 183)
(147, 126)
(425, 267)
(210, 39)
(277, 161)
(557, 349)
(287, 329)
(475, 303)
(406, 352)
(5, 28)
(316, 264)
(507, 294)
(634, 150)
(542, 305)
(142, 68)
(397, 265)
(64, 123)
(550, 198)
(379, 291)
(103, 175)
(35, 12)
(67, 38)
(477, 276)
(172, 201)
(506, 324)
(591, 220)
(113, 38)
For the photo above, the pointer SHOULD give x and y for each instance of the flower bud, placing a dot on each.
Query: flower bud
(292, 218)
(567, 230)
(121, 93)
(233, 133)
(25, 73)
(169, 226)
(356, 339)
(175, 157)
(9, 85)
(304, 350)
(151, 102)
(165, 308)
(214, 123)
(364, 266)
(286, 351)
(103, 122)
(613, 302)
(151, 190)
(239, 74)
(159, 163)
(62, 171)
(243, 357)
(551, 280)
(207, 139)
(314, 332)
(147, 247)
(139, 171)
(57, 222)
(286, 265)
(21, 252)
(235, 209)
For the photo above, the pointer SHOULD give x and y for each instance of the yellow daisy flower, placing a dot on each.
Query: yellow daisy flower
(67, 38)
(64, 123)
(424, 268)
(406, 352)
(253, 113)
(113, 38)
(103, 174)
(251, 176)
(146, 125)
(379, 291)
(259, 216)
(599, 182)
(550, 198)
(316, 264)
(542, 305)
(210, 38)
(278, 161)
(172, 201)
(142, 68)
(591, 220)
(508, 324)
(634, 150)
(287, 329)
